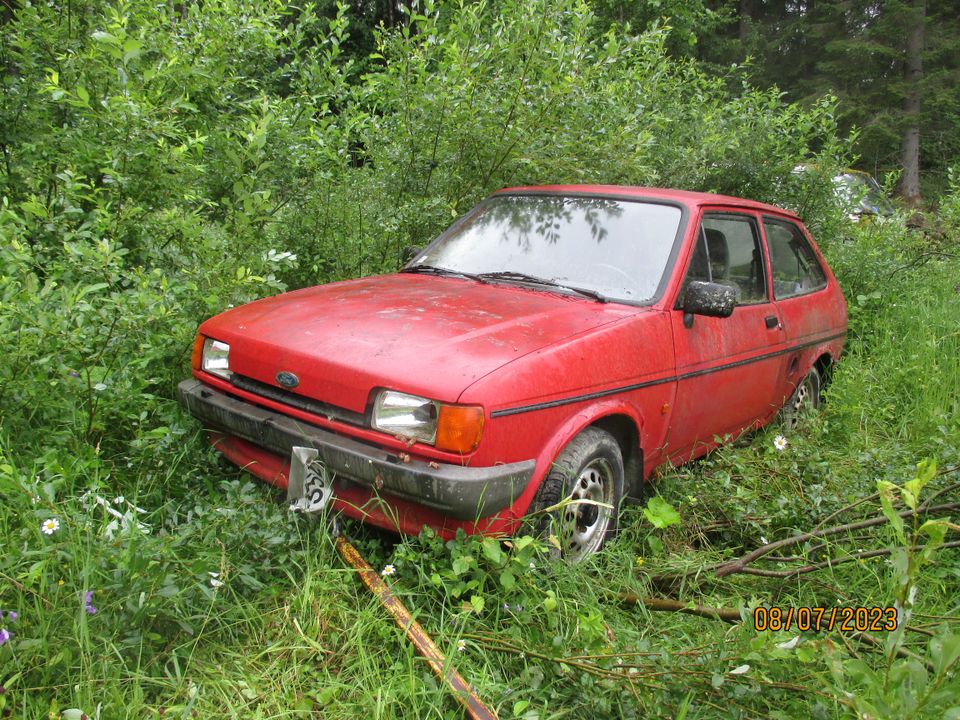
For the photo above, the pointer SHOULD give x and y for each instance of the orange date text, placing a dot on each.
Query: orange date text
(816, 619)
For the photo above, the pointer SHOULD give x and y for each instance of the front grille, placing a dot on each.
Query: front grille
(331, 412)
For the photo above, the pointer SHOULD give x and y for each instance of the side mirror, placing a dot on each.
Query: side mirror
(710, 299)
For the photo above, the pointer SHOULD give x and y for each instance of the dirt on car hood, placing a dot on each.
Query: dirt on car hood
(432, 336)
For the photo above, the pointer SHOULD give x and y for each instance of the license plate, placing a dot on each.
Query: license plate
(309, 488)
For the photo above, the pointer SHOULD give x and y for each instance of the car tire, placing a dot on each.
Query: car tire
(804, 400)
(589, 467)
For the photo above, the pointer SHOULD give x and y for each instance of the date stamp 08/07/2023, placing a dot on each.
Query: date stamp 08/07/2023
(816, 619)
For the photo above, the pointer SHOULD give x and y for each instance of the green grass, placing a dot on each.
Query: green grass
(290, 632)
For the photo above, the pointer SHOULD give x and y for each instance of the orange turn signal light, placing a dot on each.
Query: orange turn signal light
(197, 354)
(459, 428)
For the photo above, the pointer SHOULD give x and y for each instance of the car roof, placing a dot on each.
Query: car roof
(687, 197)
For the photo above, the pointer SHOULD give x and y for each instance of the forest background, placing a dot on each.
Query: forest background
(162, 161)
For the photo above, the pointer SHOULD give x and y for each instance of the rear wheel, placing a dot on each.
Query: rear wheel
(588, 477)
(805, 399)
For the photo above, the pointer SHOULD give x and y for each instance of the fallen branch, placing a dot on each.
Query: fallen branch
(738, 565)
(731, 615)
(813, 567)
(899, 651)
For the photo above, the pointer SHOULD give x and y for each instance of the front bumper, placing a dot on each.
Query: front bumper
(464, 493)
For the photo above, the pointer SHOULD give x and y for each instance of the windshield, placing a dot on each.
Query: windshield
(863, 193)
(614, 249)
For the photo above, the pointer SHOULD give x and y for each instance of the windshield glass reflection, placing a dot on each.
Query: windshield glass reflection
(615, 249)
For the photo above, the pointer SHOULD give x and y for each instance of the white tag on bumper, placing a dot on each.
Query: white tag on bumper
(309, 488)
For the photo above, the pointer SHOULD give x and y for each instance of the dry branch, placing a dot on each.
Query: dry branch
(741, 563)
(812, 567)
(731, 615)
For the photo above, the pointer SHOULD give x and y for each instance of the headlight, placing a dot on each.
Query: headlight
(455, 428)
(215, 358)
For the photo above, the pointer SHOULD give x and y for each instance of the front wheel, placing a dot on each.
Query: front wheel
(588, 476)
(805, 399)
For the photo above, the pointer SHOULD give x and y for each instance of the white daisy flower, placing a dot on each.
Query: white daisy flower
(780, 442)
(50, 526)
(388, 570)
(461, 645)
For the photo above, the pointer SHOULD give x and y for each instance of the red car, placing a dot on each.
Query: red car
(555, 342)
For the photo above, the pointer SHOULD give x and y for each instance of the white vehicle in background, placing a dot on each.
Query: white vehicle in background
(862, 196)
(859, 193)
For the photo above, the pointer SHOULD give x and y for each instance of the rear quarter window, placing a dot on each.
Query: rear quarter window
(796, 269)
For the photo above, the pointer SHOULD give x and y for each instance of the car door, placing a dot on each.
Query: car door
(729, 370)
(808, 309)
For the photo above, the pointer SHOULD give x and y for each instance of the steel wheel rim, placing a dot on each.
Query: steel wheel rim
(585, 525)
(802, 401)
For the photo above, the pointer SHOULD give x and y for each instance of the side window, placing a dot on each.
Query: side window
(728, 252)
(796, 270)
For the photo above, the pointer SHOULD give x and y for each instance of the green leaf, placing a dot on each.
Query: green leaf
(888, 493)
(462, 564)
(104, 37)
(91, 289)
(936, 530)
(131, 49)
(660, 513)
(521, 542)
(492, 551)
(944, 651)
(83, 94)
(477, 602)
(34, 207)
(926, 471)
(507, 580)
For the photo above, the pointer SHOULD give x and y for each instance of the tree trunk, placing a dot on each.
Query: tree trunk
(746, 21)
(913, 73)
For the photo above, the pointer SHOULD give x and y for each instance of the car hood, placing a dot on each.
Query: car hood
(432, 336)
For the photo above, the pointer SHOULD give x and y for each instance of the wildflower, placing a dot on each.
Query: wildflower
(532, 565)
(461, 645)
(5, 635)
(215, 582)
(118, 500)
(640, 561)
(388, 570)
(50, 526)
(88, 603)
(13, 615)
(780, 442)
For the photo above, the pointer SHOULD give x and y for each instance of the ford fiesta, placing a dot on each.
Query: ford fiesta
(555, 343)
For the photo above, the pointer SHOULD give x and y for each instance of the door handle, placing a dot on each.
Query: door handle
(772, 322)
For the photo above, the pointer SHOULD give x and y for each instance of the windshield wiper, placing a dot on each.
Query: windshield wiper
(434, 270)
(534, 280)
